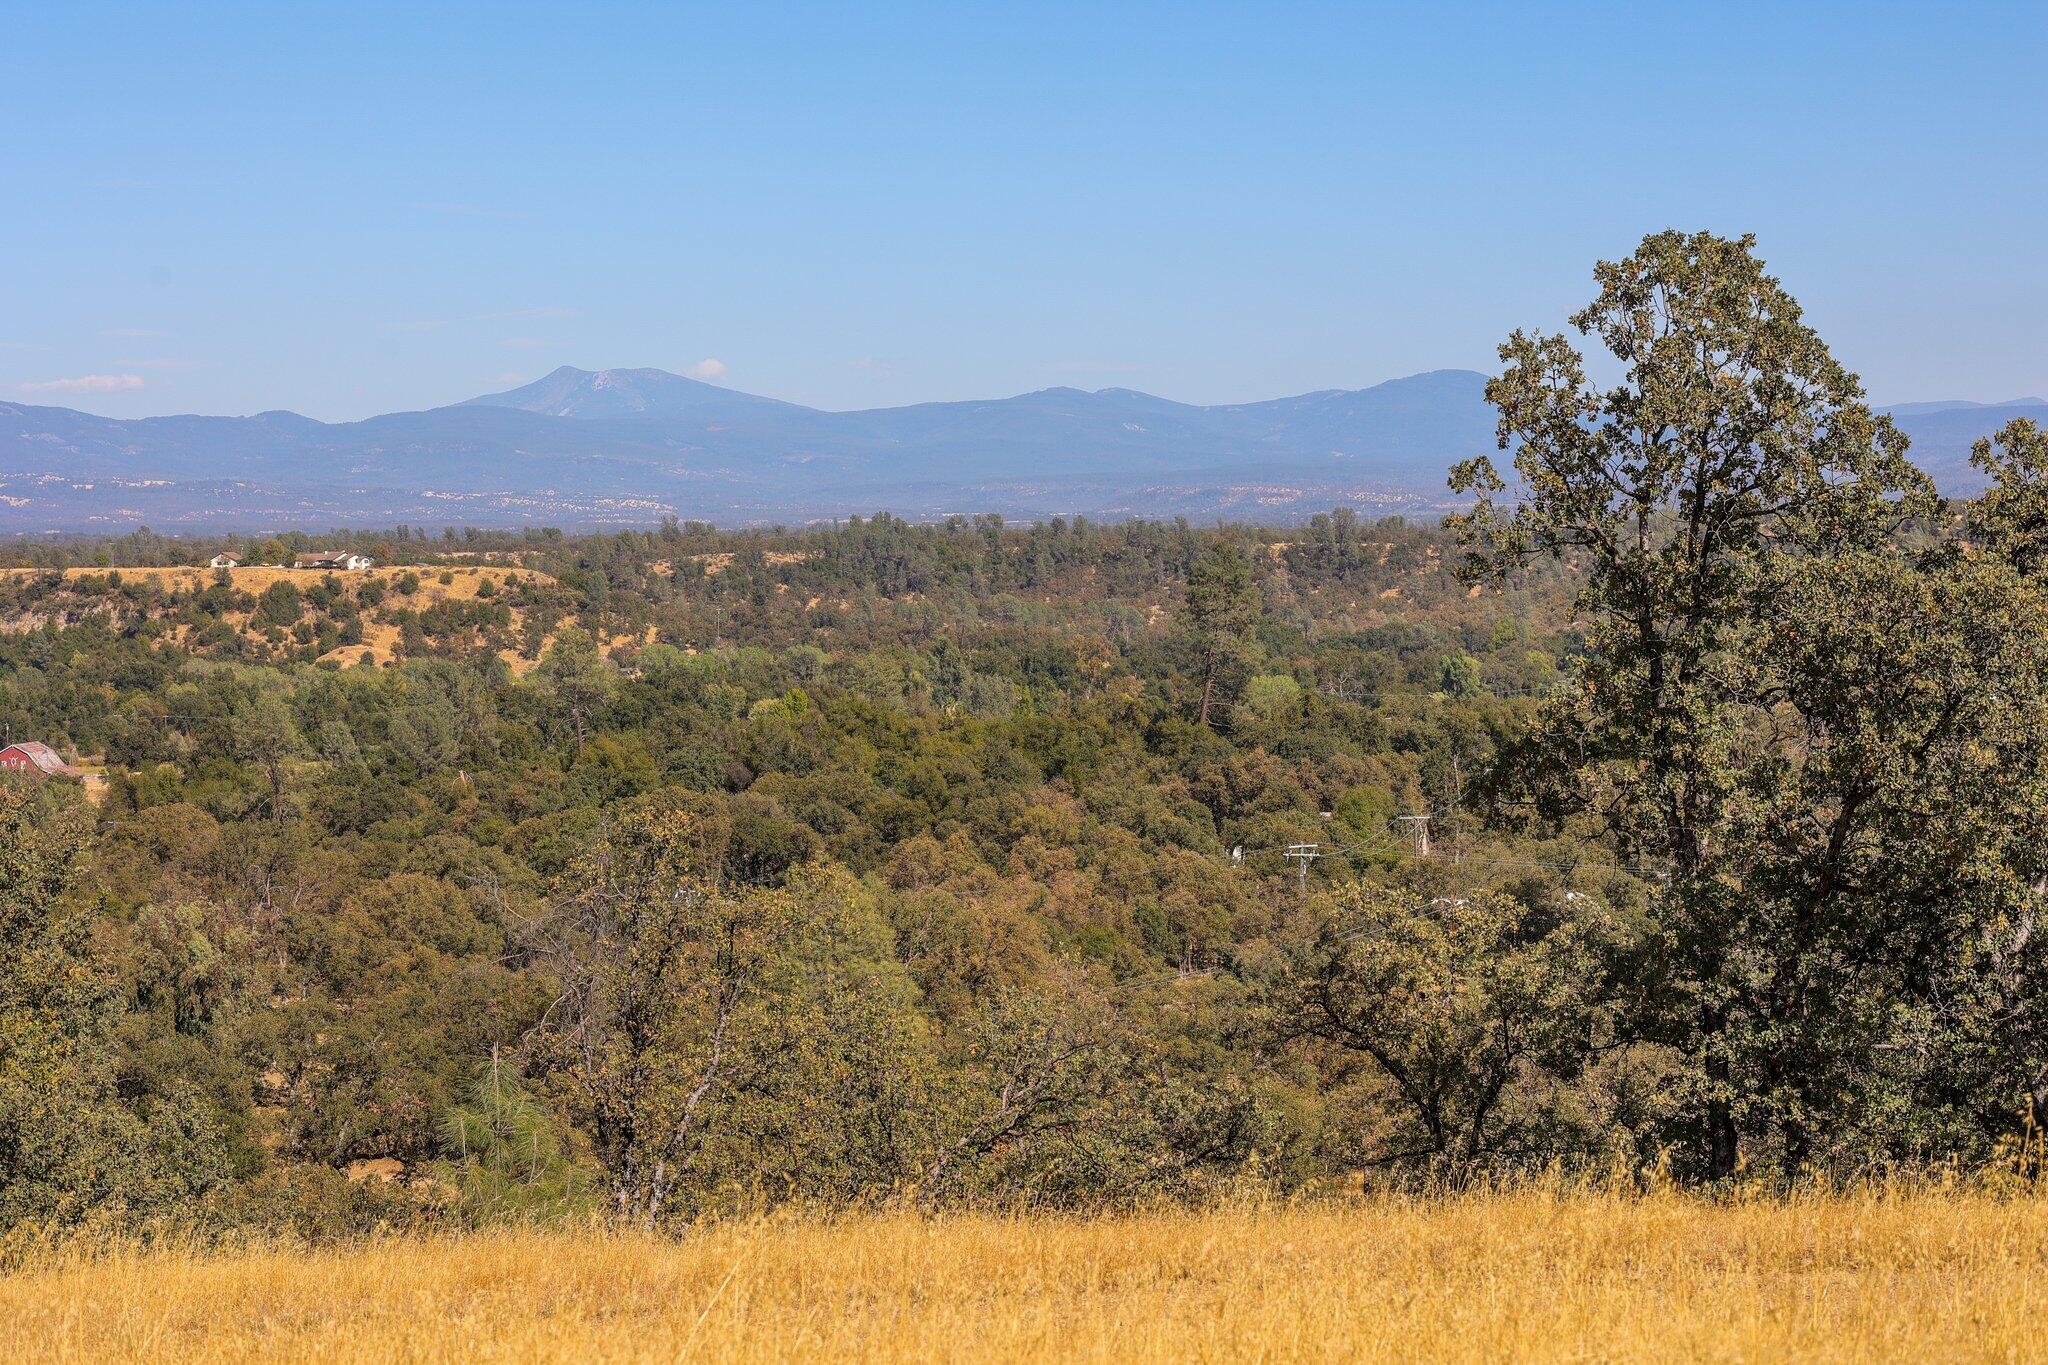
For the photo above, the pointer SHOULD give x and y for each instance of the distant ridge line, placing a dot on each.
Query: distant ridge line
(625, 447)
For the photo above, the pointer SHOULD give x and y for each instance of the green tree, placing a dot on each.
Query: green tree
(710, 1038)
(1733, 449)
(1474, 1013)
(505, 1154)
(2003, 991)
(2011, 518)
(68, 1147)
(1272, 696)
(279, 604)
(580, 679)
(1221, 609)
(1032, 1073)
(51, 1007)
(1883, 863)
(266, 736)
(1460, 675)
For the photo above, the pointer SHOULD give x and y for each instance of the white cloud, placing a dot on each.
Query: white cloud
(707, 368)
(86, 383)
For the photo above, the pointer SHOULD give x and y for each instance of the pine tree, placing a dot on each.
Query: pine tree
(1222, 607)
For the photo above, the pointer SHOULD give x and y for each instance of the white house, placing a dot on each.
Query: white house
(223, 562)
(333, 559)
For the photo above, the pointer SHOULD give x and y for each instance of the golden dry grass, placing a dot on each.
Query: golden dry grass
(256, 577)
(1522, 1277)
(380, 637)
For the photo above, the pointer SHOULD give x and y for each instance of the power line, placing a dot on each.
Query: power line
(1383, 842)
(1420, 824)
(1304, 854)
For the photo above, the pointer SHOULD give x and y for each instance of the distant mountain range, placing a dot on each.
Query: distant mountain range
(583, 448)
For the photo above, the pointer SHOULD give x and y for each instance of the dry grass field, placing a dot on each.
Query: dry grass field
(380, 637)
(1512, 1277)
(255, 578)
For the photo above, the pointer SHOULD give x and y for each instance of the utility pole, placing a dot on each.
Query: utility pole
(1303, 855)
(1421, 824)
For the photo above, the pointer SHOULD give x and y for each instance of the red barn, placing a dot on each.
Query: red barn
(32, 756)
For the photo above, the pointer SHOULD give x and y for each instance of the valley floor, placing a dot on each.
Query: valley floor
(1524, 1277)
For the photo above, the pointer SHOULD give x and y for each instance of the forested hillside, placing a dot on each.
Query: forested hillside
(328, 890)
(1677, 812)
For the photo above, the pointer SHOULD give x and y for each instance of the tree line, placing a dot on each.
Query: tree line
(944, 863)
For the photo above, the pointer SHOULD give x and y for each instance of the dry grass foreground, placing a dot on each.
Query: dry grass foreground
(1523, 1277)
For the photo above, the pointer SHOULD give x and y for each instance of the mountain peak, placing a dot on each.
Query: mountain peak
(621, 446)
(567, 391)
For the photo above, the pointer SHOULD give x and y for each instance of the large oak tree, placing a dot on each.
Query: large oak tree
(1783, 711)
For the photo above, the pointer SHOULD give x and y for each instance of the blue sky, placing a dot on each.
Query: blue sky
(352, 209)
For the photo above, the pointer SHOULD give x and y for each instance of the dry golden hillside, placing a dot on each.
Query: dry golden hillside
(256, 577)
(381, 635)
(1507, 1277)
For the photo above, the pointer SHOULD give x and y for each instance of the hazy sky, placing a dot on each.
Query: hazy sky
(352, 209)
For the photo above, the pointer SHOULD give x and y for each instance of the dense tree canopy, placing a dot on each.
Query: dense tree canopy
(672, 871)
